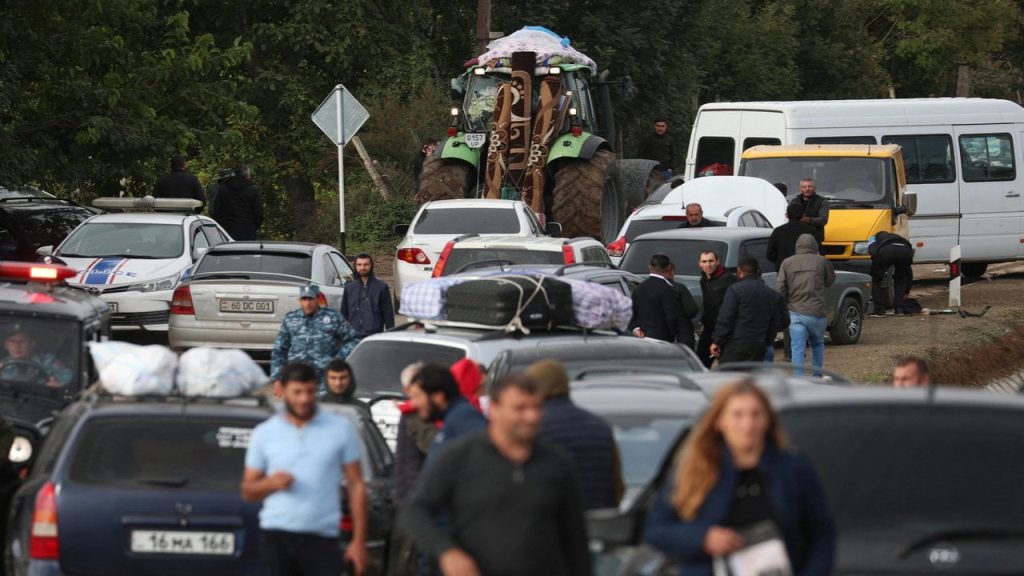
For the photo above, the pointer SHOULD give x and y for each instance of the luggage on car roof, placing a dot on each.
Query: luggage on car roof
(532, 301)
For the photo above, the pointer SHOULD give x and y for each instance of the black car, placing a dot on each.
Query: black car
(152, 486)
(30, 220)
(919, 481)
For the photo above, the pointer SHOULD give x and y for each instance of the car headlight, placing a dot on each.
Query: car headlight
(21, 450)
(167, 283)
(860, 248)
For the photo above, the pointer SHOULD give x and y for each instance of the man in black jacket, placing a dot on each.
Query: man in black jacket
(511, 500)
(658, 310)
(782, 242)
(714, 281)
(752, 315)
(815, 209)
(659, 147)
(366, 303)
(179, 183)
(239, 206)
(890, 250)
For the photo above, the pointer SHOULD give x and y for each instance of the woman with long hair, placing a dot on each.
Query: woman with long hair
(735, 478)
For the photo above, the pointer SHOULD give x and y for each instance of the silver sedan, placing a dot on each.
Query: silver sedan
(239, 292)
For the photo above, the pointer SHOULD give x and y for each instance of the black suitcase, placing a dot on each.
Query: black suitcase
(495, 301)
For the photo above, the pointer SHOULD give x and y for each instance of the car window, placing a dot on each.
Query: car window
(532, 221)
(289, 263)
(378, 364)
(747, 220)
(467, 221)
(162, 452)
(926, 158)
(7, 238)
(596, 254)
(761, 221)
(685, 254)
(841, 140)
(199, 239)
(343, 268)
(643, 443)
(751, 142)
(125, 239)
(715, 155)
(757, 249)
(640, 227)
(987, 157)
(50, 227)
(213, 235)
(460, 257)
(914, 468)
(53, 444)
(330, 274)
(45, 349)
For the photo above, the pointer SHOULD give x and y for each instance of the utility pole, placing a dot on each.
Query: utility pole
(483, 25)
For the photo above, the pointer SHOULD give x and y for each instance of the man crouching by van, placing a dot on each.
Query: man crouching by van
(815, 209)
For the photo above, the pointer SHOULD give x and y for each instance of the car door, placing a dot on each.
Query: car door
(990, 191)
(332, 284)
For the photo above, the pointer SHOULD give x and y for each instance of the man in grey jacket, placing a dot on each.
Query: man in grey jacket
(802, 280)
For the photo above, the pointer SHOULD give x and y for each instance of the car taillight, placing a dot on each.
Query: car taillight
(567, 255)
(617, 248)
(442, 260)
(321, 300)
(413, 256)
(43, 541)
(181, 301)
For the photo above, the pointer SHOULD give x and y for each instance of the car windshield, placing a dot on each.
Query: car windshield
(125, 239)
(918, 470)
(39, 352)
(289, 263)
(640, 227)
(26, 192)
(50, 227)
(685, 254)
(467, 221)
(840, 179)
(643, 442)
(460, 257)
(160, 453)
(378, 364)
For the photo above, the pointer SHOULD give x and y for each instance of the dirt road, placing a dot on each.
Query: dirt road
(967, 351)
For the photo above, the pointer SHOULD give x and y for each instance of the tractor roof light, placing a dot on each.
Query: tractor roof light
(454, 111)
(148, 204)
(479, 71)
(573, 112)
(554, 70)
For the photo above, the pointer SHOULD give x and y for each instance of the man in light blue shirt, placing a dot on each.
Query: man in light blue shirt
(293, 465)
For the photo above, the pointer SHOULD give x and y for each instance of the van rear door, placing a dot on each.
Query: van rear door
(990, 191)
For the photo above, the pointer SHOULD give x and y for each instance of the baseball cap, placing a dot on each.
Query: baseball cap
(309, 291)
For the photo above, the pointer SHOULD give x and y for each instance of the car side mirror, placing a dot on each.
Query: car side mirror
(45, 250)
(553, 229)
(609, 526)
(401, 229)
(910, 203)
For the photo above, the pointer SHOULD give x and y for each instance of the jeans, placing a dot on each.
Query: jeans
(803, 328)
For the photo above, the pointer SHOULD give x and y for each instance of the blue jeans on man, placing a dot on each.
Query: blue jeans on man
(804, 329)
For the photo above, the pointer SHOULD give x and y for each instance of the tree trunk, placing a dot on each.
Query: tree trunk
(302, 207)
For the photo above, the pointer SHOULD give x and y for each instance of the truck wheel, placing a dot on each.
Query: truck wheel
(848, 322)
(443, 179)
(639, 179)
(587, 197)
(973, 270)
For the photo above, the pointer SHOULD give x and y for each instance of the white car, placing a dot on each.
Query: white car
(135, 260)
(728, 200)
(440, 221)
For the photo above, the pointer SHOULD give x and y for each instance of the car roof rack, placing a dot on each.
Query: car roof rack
(96, 394)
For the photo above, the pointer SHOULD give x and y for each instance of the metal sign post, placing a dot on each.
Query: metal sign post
(340, 116)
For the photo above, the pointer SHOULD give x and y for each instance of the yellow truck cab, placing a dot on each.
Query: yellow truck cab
(865, 186)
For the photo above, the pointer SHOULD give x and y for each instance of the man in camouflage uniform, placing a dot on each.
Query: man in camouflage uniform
(19, 345)
(311, 334)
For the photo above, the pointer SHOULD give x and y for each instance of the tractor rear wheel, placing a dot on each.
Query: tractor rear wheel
(443, 179)
(587, 197)
(639, 179)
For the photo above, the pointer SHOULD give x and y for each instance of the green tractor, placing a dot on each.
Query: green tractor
(527, 129)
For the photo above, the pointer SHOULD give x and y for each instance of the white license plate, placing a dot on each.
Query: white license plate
(248, 306)
(113, 307)
(174, 542)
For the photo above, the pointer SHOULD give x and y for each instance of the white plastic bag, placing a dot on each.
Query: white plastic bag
(133, 370)
(218, 372)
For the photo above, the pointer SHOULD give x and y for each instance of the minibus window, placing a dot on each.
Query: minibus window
(751, 142)
(841, 140)
(928, 159)
(715, 155)
(987, 157)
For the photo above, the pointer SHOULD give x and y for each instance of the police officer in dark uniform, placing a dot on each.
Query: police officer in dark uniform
(312, 334)
(887, 250)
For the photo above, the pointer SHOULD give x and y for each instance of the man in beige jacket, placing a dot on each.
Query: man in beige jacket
(802, 280)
